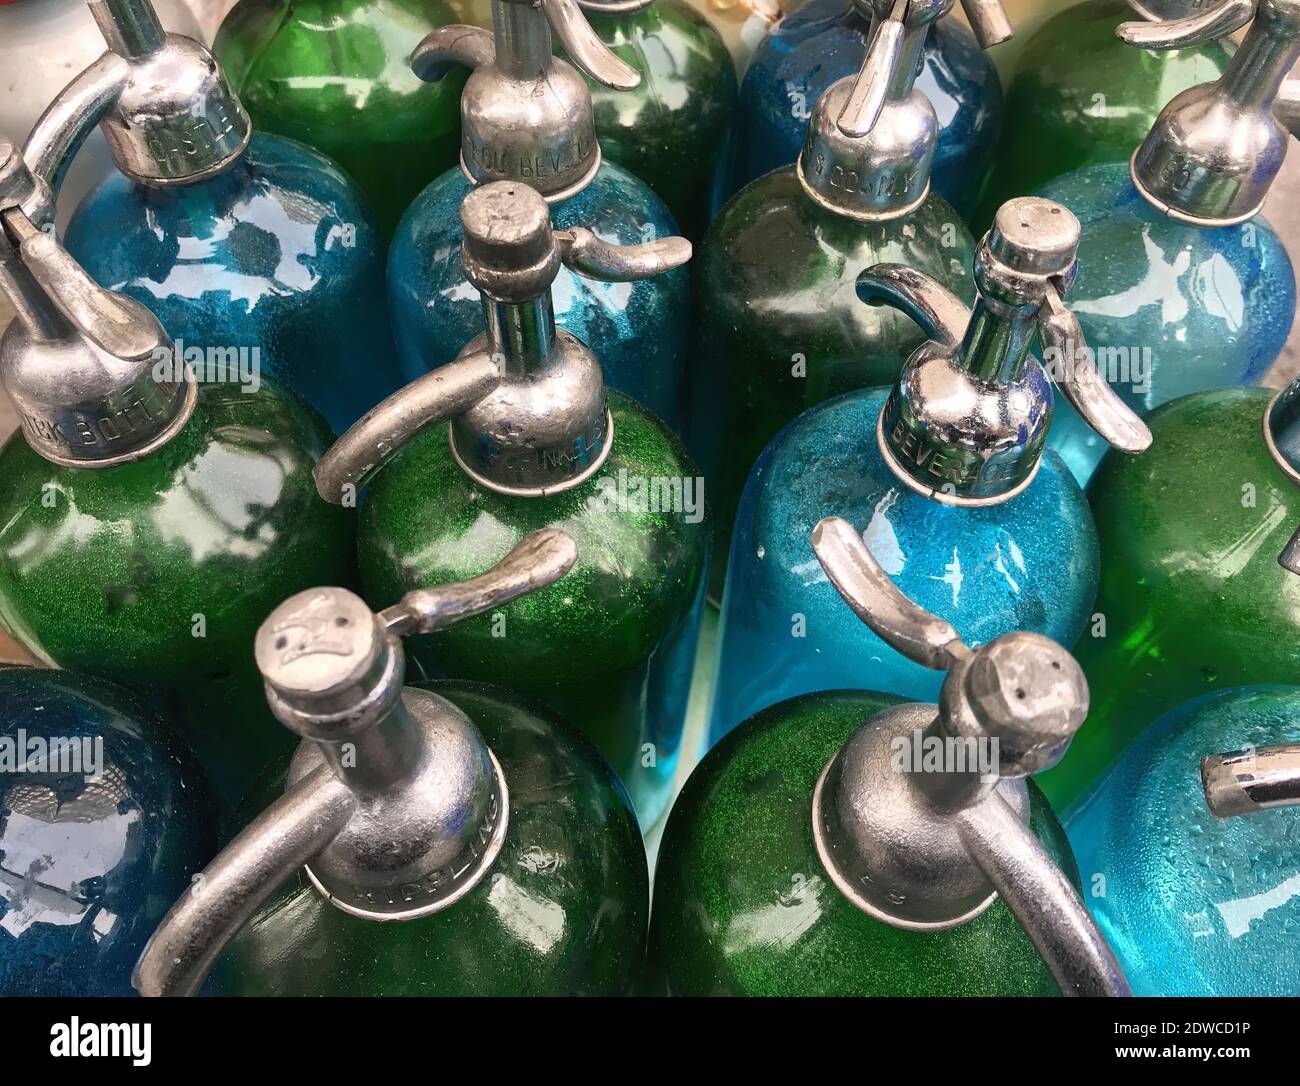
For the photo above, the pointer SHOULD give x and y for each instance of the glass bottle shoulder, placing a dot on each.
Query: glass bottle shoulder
(772, 237)
(285, 220)
(217, 521)
(1076, 50)
(814, 36)
(1207, 486)
(830, 456)
(424, 259)
(617, 518)
(299, 44)
(257, 444)
(278, 179)
(1201, 307)
(1027, 563)
(616, 205)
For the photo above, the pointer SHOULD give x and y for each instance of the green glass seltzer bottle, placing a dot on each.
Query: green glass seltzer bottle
(148, 521)
(437, 839)
(336, 75)
(519, 434)
(852, 844)
(673, 129)
(1080, 95)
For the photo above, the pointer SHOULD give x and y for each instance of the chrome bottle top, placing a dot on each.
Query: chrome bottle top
(927, 849)
(967, 420)
(92, 373)
(526, 115)
(1215, 149)
(988, 20)
(526, 400)
(395, 805)
(161, 99)
(872, 137)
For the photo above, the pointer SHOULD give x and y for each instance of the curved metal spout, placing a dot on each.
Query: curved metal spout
(593, 258)
(585, 49)
(988, 20)
(537, 560)
(1198, 29)
(1042, 899)
(1249, 781)
(1085, 388)
(181, 953)
(441, 49)
(60, 131)
(942, 316)
(925, 851)
(449, 390)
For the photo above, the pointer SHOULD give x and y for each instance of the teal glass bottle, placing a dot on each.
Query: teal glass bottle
(1185, 287)
(1202, 902)
(148, 522)
(1170, 308)
(336, 75)
(1080, 96)
(519, 435)
(944, 473)
(826, 40)
(103, 819)
(673, 129)
(435, 308)
(838, 843)
(458, 839)
(246, 245)
(778, 326)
